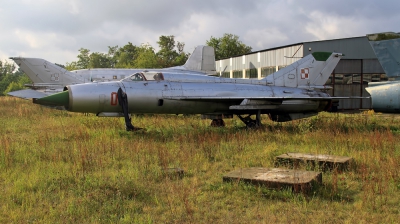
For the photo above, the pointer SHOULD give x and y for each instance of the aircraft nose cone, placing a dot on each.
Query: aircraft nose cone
(58, 99)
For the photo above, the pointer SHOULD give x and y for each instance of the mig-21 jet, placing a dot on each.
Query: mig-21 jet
(291, 93)
(48, 78)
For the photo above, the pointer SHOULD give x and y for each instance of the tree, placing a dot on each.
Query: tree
(94, 60)
(182, 56)
(228, 46)
(167, 55)
(83, 59)
(6, 68)
(146, 57)
(125, 56)
(130, 56)
(71, 66)
(99, 60)
(11, 79)
(111, 56)
(13, 86)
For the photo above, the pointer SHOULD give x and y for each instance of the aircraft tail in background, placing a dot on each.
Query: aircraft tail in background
(42, 71)
(387, 49)
(202, 60)
(310, 72)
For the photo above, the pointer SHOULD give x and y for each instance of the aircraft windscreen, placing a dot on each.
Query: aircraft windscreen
(154, 76)
(148, 76)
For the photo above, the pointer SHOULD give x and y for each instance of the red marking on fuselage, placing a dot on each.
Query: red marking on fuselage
(114, 99)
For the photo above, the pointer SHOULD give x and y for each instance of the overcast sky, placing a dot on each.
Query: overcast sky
(56, 29)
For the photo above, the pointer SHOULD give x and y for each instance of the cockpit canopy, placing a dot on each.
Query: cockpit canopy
(145, 76)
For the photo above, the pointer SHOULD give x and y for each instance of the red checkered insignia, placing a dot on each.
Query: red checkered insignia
(304, 73)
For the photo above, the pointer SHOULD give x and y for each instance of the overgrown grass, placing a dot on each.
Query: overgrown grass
(60, 167)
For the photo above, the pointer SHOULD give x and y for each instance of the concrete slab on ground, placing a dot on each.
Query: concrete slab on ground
(298, 180)
(323, 161)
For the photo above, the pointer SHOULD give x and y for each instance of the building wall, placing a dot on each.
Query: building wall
(270, 58)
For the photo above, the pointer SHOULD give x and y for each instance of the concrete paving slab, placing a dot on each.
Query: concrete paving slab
(298, 180)
(323, 161)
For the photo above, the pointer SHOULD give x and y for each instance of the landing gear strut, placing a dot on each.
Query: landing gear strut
(123, 102)
(250, 123)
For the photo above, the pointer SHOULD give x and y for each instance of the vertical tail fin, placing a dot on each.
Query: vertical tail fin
(387, 49)
(202, 59)
(311, 71)
(42, 71)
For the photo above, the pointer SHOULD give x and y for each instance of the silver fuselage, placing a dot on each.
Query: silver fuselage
(201, 97)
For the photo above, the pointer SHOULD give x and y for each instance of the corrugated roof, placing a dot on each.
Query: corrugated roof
(291, 45)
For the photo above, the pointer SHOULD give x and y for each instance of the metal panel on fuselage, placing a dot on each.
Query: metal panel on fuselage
(88, 98)
(386, 98)
(187, 106)
(143, 97)
(155, 97)
(184, 98)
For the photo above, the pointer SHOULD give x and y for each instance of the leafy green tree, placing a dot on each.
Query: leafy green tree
(130, 56)
(228, 46)
(6, 68)
(182, 56)
(146, 57)
(167, 55)
(99, 60)
(11, 79)
(71, 66)
(13, 86)
(125, 56)
(112, 56)
(83, 59)
(6, 80)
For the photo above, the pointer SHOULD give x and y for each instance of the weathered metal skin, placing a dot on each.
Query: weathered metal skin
(385, 98)
(166, 97)
(386, 95)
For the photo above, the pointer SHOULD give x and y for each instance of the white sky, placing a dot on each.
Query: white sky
(56, 29)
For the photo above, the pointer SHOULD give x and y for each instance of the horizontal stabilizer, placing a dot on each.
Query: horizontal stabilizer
(27, 94)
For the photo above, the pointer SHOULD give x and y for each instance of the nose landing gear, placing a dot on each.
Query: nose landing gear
(123, 102)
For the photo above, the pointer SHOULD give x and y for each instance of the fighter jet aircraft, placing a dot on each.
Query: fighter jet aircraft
(49, 78)
(289, 94)
(385, 95)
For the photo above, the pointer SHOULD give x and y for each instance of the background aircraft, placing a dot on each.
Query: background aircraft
(291, 93)
(385, 96)
(49, 78)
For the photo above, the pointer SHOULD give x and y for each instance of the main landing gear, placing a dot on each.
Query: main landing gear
(249, 122)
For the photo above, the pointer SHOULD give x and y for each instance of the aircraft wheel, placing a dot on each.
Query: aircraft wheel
(251, 124)
(217, 123)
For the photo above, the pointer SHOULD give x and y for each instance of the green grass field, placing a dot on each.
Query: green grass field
(61, 167)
